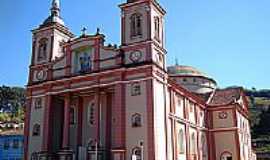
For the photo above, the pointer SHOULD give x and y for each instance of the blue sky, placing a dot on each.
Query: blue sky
(227, 39)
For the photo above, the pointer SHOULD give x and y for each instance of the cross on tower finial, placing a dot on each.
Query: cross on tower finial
(84, 29)
(55, 10)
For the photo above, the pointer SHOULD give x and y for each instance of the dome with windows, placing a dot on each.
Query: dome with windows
(185, 71)
(192, 79)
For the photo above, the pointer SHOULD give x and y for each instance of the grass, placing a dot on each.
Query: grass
(262, 101)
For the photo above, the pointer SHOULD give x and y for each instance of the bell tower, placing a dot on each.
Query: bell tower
(46, 44)
(142, 32)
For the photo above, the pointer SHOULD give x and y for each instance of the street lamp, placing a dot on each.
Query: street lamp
(134, 156)
(141, 145)
(96, 148)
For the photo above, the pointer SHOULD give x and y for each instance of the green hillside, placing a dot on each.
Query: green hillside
(259, 110)
(12, 102)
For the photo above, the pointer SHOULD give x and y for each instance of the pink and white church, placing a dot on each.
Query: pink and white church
(90, 101)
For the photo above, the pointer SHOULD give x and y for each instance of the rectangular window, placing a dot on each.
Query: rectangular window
(38, 103)
(91, 114)
(72, 114)
(135, 89)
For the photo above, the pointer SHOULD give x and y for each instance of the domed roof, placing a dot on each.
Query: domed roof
(180, 70)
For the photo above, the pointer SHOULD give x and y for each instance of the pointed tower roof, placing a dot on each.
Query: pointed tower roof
(55, 14)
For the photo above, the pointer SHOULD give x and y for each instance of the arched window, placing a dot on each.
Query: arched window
(157, 28)
(204, 147)
(42, 49)
(137, 152)
(193, 144)
(181, 141)
(36, 130)
(136, 120)
(226, 156)
(136, 25)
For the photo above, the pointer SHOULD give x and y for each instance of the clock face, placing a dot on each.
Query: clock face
(135, 56)
(41, 75)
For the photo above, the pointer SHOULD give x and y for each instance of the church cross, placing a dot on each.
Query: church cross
(84, 31)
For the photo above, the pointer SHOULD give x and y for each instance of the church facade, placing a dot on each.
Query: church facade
(89, 101)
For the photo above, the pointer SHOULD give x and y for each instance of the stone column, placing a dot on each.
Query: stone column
(66, 153)
(46, 124)
(45, 151)
(27, 127)
(97, 114)
(65, 140)
(118, 123)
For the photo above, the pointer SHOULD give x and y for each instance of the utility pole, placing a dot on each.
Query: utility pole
(141, 145)
(96, 149)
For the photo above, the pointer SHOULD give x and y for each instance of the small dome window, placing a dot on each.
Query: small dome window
(36, 130)
(136, 120)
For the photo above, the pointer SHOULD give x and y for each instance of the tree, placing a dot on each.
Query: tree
(12, 102)
(263, 128)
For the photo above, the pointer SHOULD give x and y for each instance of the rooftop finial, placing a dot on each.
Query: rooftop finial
(55, 10)
(98, 31)
(176, 62)
(84, 29)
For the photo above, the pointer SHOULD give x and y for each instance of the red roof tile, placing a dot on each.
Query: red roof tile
(225, 96)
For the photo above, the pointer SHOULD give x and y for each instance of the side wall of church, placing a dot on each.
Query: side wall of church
(227, 121)
(107, 58)
(36, 119)
(224, 132)
(136, 105)
(159, 120)
(225, 142)
(244, 136)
